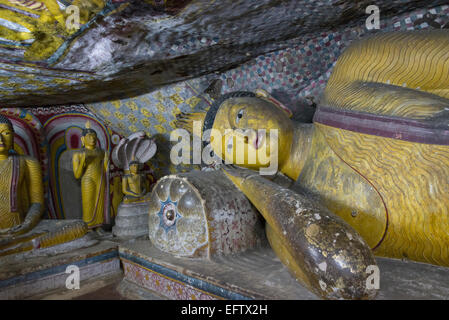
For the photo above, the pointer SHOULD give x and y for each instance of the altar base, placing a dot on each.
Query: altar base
(255, 274)
(28, 275)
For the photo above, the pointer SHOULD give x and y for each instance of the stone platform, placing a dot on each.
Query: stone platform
(30, 274)
(256, 274)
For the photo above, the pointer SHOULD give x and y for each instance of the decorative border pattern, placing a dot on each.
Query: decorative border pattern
(170, 283)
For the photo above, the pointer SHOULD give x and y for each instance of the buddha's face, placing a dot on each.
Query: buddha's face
(6, 138)
(90, 140)
(134, 168)
(249, 121)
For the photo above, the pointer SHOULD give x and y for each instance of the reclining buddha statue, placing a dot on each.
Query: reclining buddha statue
(376, 154)
(22, 202)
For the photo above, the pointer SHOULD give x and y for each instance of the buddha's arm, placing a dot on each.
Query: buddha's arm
(319, 249)
(36, 193)
(79, 163)
(126, 190)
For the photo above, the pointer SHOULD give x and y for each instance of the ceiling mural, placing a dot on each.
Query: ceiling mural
(118, 49)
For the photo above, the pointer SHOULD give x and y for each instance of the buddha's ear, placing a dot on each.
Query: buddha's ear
(264, 94)
(82, 141)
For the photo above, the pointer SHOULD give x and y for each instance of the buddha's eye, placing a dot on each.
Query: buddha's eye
(239, 116)
(230, 144)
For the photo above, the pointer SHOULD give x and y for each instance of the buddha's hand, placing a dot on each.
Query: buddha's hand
(80, 158)
(10, 231)
(32, 218)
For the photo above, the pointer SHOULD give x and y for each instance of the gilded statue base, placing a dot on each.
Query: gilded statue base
(255, 274)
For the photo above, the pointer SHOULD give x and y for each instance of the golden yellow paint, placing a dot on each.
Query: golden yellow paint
(160, 128)
(193, 102)
(29, 183)
(343, 190)
(117, 104)
(134, 185)
(160, 118)
(245, 115)
(176, 98)
(146, 113)
(48, 28)
(132, 105)
(117, 194)
(371, 75)
(160, 107)
(412, 179)
(393, 192)
(146, 123)
(105, 112)
(119, 115)
(90, 164)
(30, 193)
(132, 118)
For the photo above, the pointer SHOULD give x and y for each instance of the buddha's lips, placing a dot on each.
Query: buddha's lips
(259, 139)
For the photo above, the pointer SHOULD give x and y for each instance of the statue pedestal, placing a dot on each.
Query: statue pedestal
(131, 221)
(255, 274)
(34, 273)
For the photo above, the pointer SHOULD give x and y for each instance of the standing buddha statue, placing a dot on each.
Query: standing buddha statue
(91, 165)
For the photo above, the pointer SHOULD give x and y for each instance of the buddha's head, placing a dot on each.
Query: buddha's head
(6, 135)
(134, 167)
(241, 124)
(89, 137)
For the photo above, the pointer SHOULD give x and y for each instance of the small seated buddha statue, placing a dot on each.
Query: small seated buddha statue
(376, 154)
(22, 202)
(134, 185)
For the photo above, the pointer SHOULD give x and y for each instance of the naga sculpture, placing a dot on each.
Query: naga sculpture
(91, 165)
(22, 202)
(129, 155)
(132, 213)
(376, 154)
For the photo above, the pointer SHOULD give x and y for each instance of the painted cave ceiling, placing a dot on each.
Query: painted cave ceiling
(122, 49)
